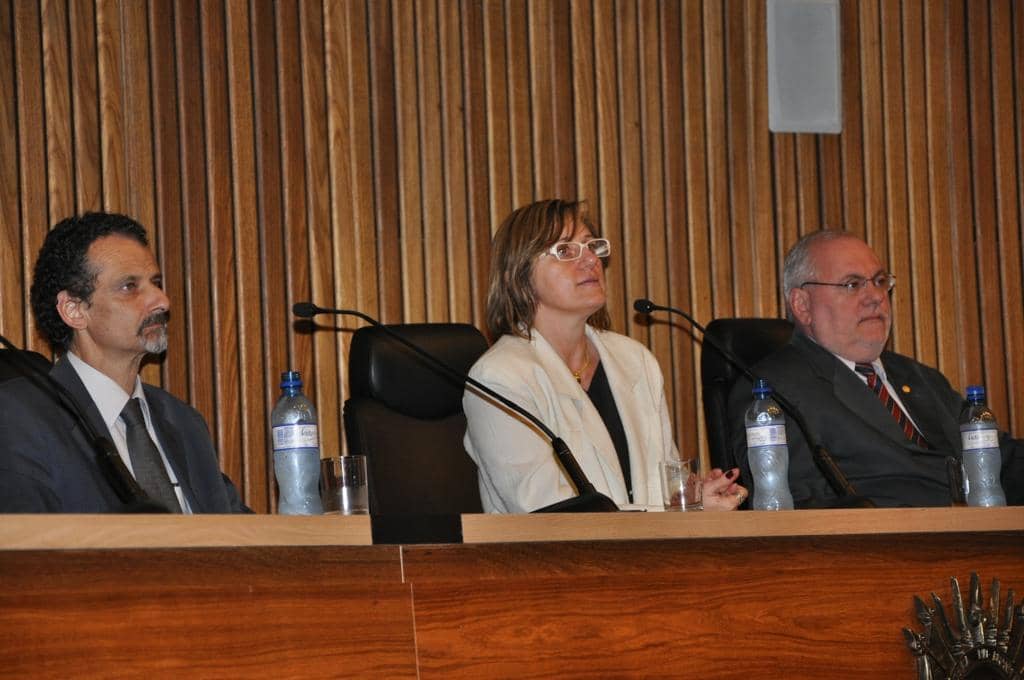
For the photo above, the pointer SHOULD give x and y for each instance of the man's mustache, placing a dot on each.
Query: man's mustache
(156, 318)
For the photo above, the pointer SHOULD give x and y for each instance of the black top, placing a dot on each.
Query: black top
(600, 394)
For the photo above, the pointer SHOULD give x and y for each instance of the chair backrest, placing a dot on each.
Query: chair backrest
(12, 363)
(749, 339)
(405, 415)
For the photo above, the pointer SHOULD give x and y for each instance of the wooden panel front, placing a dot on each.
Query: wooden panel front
(802, 607)
(229, 612)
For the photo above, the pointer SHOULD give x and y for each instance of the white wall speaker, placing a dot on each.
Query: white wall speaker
(804, 66)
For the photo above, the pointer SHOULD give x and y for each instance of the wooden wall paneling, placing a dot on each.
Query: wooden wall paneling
(695, 151)
(767, 250)
(852, 138)
(965, 288)
(248, 238)
(384, 103)
(562, 39)
(345, 196)
(544, 142)
(32, 221)
(195, 313)
(411, 147)
(919, 295)
(321, 237)
(58, 119)
(85, 113)
(607, 205)
(454, 231)
(109, 57)
(498, 113)
(631, 156)
(719, 219)
(12, 256)
(989, 367)
(434, 261)
(684, 380)
(292, 349)
(786, 196)
(829, 161)
(654, 243)
(358, 126)
(167, 193)
(475, 93)
(896, 216)
(268, 203)
(228, 429)
(587, 153)
(520, 105)
(737, 252)
(875, 226)
(939, 131)
(1007, 243)
(815, 180)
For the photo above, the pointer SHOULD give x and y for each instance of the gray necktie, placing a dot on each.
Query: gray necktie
(150, 472)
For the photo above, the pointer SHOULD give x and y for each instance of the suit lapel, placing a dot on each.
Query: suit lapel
(64, 373)
(593, 432)
(920, 403)
(851, 391)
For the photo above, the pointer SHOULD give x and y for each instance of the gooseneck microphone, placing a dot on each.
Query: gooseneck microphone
(588, 499)
(109, 460)
(824, 460)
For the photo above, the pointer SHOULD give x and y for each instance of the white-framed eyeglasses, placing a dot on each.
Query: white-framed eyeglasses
(883, 281)
(567, 251)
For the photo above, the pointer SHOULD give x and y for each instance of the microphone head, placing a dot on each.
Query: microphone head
(306, 310)
(643, 305)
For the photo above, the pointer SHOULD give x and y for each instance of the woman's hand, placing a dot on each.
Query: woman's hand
(721, 492)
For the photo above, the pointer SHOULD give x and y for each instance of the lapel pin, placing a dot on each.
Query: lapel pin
(905, 389)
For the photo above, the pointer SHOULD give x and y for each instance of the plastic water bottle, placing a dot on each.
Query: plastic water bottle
(296, 449)
(982, 460)
(767, 451)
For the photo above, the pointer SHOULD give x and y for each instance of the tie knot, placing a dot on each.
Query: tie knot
(132, 413)
(865, 369)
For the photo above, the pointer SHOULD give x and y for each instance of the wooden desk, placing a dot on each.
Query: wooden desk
(808, 594)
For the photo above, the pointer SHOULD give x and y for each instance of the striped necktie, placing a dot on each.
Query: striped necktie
(891, 405)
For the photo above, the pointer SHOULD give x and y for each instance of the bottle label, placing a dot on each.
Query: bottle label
(303, 436)
(766, 435)
(979, 439)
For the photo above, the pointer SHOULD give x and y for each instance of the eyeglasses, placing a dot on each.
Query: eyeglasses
(567, 251)
(855, 284)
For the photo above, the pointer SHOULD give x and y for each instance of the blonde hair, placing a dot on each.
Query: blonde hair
(527, 232)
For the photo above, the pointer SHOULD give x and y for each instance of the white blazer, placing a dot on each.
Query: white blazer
(518, 471)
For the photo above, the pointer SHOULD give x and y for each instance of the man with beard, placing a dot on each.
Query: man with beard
(98, 300)
(889, 422)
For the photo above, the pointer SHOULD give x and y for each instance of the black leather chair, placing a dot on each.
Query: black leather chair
(11, 364)
(749, 339)
(405, 415)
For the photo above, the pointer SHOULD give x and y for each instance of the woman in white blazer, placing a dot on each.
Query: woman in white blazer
(599, 391)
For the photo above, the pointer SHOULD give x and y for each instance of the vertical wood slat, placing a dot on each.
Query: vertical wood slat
(285, 151)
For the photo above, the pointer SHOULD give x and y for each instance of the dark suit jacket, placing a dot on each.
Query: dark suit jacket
(863, 438)
(48, 465)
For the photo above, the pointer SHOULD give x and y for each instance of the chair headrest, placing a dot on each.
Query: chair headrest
(749, 339)
(383, 369)
(12, 362)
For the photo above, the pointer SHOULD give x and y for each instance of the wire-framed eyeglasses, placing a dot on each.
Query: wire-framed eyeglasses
(567, 251)
(883, 281)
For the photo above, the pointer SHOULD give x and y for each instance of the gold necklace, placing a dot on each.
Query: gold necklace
(586, 364)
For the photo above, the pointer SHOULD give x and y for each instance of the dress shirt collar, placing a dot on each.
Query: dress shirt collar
(108, 396)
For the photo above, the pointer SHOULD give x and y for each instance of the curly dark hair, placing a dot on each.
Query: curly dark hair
(62, 264)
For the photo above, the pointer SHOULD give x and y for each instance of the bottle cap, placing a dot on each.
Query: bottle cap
(976, 392)
(762, 389)
(291, 379)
